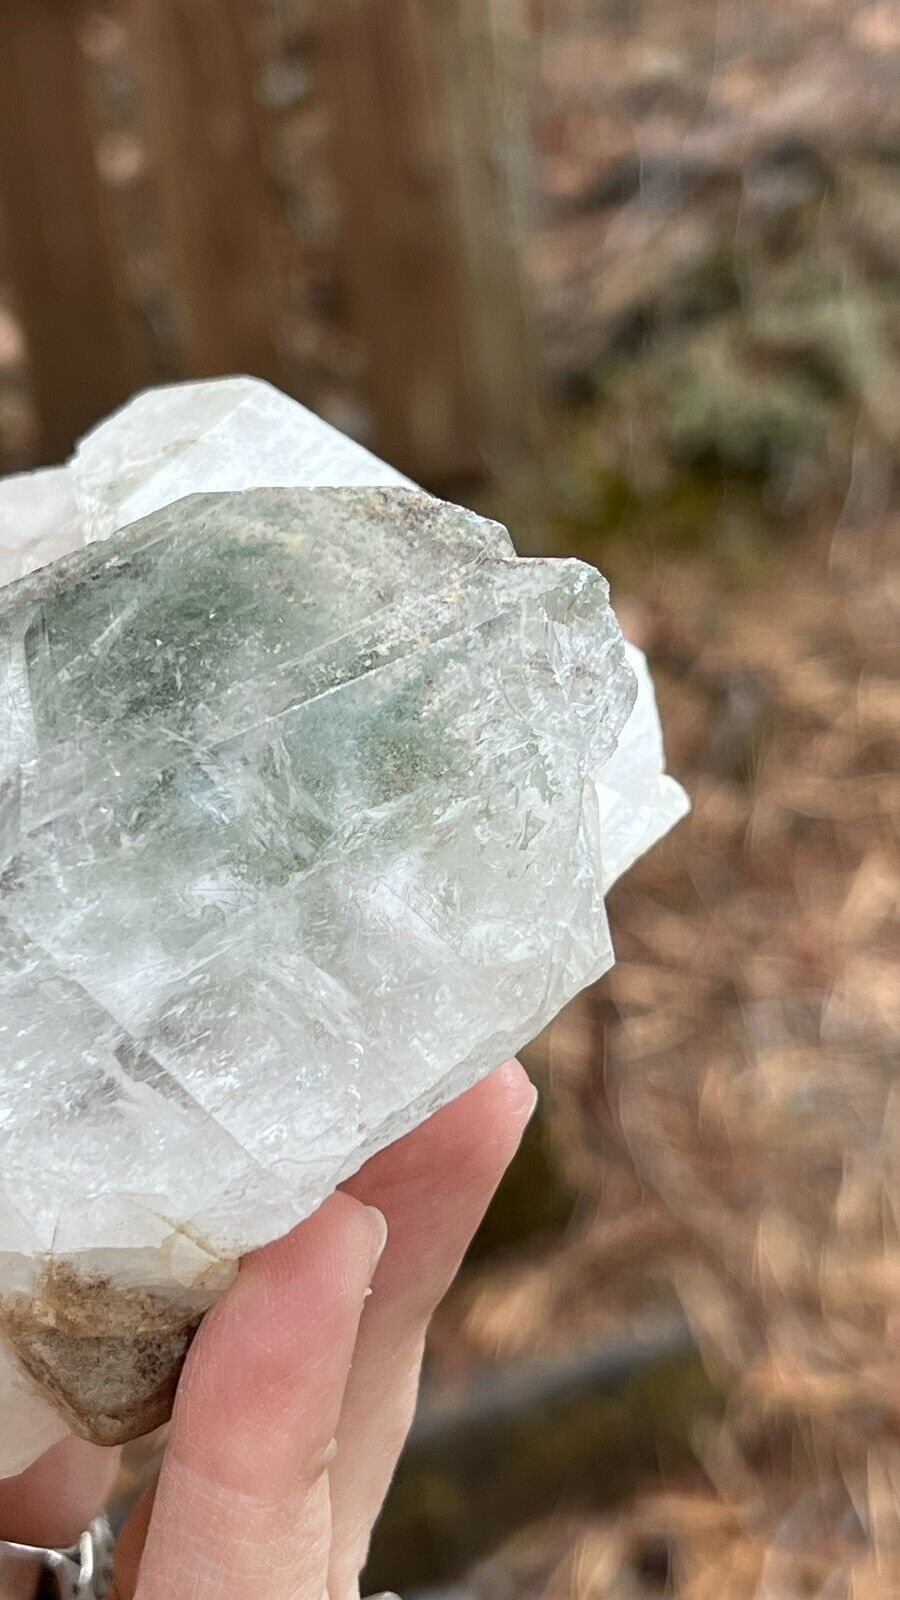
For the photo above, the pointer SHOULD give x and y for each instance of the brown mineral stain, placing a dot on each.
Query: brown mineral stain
(108, 1358)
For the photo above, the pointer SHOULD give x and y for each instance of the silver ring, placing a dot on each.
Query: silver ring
(83, 1572)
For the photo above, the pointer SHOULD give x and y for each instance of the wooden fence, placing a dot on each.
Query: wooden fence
(429, 166)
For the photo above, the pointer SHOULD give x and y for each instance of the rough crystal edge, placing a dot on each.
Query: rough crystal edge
(71, 511)
(636, 800)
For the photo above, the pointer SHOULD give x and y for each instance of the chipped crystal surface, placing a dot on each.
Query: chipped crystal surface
(310, 793)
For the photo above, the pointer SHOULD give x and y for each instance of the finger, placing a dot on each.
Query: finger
(56, 1499)
(433, 1188)
(131, 1541)
(242, 1504)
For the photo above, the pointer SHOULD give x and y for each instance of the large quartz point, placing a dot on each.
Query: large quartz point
(310, 792)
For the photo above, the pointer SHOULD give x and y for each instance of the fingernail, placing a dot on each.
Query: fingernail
(380, 1221)
(521, 1091)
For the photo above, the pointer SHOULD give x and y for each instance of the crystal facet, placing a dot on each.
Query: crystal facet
(310, 792)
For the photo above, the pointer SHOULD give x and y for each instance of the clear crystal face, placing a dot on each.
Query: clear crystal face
(309, 798)
(294, 842)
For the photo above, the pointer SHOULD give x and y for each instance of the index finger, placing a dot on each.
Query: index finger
(242, 1506)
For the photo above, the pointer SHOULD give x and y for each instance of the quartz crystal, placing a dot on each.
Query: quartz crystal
(310, 793)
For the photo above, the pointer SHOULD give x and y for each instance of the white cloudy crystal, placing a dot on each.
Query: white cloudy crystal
(310, 792)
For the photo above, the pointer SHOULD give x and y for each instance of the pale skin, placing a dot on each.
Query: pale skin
(299, 1389)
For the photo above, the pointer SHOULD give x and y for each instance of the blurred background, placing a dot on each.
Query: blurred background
(626, 273)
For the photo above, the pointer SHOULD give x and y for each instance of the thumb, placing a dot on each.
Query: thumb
(56, 1499)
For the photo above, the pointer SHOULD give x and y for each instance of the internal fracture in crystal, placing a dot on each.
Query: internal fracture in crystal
(309, 800)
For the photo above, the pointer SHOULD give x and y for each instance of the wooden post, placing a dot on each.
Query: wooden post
(195, 62)
(60, 254)
(428, 271)
(481, 48)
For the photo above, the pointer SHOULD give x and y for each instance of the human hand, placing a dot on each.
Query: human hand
(299, 1388)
